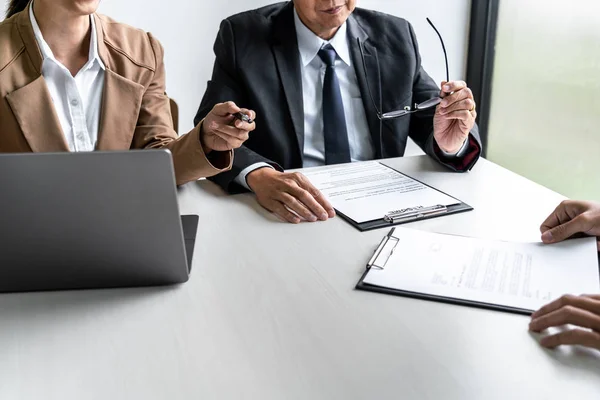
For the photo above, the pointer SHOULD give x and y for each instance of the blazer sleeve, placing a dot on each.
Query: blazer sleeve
(154, 130)
(421, 126)
(224, 86)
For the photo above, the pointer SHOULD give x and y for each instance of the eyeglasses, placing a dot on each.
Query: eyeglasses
(426, 105)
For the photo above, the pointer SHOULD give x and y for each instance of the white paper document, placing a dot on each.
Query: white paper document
(517, 275)
(367, 191)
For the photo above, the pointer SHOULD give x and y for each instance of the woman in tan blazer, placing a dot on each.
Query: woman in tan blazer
(73, 80)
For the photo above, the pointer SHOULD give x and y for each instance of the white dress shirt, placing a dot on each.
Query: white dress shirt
(77, 100)
(313, 73)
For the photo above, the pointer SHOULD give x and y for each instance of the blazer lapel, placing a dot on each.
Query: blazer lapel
(285, 49)
(121, 102)
(369, 78)
(33, 108)
(32, 104)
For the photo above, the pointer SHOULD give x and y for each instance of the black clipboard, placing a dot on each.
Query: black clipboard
(459, 207)
(380, 264)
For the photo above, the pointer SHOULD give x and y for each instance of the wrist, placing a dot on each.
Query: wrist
(259, 174)
(207, 150)
(450, 150)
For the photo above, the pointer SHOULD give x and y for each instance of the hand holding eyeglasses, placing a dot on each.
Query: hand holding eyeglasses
(454, 117)
(455, 113)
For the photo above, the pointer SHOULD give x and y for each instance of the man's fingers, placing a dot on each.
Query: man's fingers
(565, 316)
(296, 206)
(225, 109)
(566, 230)
(461, 115)
(305, 183)
(310, 196)
(309, 201)
(572, 337)
(281, 211)
(453, 86)
(582, 302)
(465, 104)
(456, 97)
(285, 214)
(322, 200)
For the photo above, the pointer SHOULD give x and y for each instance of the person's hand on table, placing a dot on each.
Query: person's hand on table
(454, 117)
(221, 131)
(571, 218)
(581, 311)
(287, 193)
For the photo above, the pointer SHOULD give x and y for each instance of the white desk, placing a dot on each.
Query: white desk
(270, 313)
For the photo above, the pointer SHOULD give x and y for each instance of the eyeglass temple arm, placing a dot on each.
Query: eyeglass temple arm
(443, 47)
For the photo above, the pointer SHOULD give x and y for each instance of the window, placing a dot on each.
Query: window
(544, 122)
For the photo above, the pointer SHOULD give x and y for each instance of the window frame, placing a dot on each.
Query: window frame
(480, 59)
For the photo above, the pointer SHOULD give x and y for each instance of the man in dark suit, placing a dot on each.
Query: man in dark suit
(298, 65)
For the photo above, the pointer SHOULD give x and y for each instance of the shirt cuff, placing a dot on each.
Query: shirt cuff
(459, 153)
(241, 178)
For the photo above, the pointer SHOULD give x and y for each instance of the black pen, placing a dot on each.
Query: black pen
(242, 117)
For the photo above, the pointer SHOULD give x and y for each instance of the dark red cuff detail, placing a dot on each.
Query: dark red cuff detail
(463, 163)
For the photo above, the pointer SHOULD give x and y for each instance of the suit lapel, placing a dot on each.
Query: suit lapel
(285, 49)
(33, 108)
(121, 102)
(369, 78)
(31, 46)
(32, 104)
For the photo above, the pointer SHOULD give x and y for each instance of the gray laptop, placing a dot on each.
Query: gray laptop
(91, 220)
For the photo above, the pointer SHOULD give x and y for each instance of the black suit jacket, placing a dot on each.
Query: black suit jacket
(258, 67)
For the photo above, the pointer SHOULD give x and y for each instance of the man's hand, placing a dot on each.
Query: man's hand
(582, 311)
(221, 131)
(454, 117)
(571, 218)
(287, 193)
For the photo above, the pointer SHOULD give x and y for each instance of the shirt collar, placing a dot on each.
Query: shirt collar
(309, 44)
(94, 56)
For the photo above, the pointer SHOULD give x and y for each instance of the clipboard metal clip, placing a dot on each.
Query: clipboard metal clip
(414, 213)
(387, 245)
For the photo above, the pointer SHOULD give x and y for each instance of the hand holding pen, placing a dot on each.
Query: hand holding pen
(226, 127)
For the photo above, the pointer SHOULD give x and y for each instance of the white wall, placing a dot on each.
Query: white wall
(187, 30)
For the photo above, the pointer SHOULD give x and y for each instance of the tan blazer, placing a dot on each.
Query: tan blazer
(135, 108)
